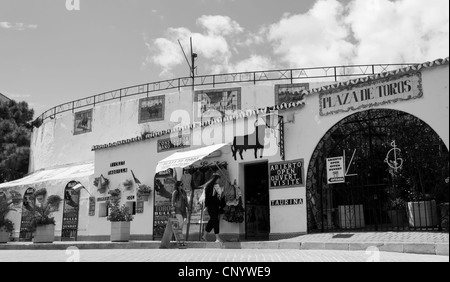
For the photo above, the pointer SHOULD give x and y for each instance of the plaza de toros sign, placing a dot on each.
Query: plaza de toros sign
(371, 94)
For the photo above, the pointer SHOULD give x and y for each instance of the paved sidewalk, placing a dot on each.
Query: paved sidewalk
(431, 243)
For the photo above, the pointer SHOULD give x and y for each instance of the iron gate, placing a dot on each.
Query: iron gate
(397, 175)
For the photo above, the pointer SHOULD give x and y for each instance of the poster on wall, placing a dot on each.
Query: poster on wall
(164, 186)
(151, 109)
(212, 104)
(335, 170)
(83, 122)
(28, 204)
(288, 93)
(287, 174)
(69, 228)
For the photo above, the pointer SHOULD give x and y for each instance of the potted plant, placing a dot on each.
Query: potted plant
(422, 210)
(42, 222)
(144, 191)
(120, 217)
(128, 184)
(6, 225)
(397, 211)
(101, 183)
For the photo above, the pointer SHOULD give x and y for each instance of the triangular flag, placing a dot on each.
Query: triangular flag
(135, 179)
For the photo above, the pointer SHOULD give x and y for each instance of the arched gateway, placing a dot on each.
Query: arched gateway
(397, 179)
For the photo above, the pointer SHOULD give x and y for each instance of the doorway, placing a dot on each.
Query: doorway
(257, 222)
(397, 171)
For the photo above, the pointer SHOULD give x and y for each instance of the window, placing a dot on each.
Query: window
(83, 122)
(151, 109)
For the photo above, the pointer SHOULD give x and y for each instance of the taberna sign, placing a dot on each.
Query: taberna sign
(371, 93)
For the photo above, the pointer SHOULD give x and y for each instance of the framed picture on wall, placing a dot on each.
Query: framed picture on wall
(212, 104)
(288, 93)
(151, 109)
(83, 122)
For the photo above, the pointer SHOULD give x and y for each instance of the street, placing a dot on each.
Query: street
(211, 255)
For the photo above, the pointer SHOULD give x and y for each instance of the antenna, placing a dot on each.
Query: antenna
(191, 65)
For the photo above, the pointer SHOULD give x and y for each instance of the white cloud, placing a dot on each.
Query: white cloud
(332, 32)
(401, 31)
(219, 25)
(316, 38)
(363, 31)
(17, 26)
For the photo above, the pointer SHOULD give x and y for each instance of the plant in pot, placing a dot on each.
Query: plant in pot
(144, 191)
(120, 217)
(42, 222)
(101, 183)
(6, 225)
(397, 211)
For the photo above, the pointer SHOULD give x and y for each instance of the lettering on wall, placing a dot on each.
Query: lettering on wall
(286, 202)
(117, 171)
(371, 94)
(287, 174)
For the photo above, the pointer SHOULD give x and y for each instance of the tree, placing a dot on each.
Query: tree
(15, 134)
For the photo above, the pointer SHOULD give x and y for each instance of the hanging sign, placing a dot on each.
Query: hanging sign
(335, 170)
(287, 174)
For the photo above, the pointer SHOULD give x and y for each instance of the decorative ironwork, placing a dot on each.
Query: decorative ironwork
(291, 75)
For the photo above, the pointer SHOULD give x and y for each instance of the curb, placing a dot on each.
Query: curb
(441, 249)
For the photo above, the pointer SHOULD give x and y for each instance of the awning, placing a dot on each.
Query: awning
(72, 172)
(187, 158)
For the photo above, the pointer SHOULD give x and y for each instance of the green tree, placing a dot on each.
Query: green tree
(15, 133)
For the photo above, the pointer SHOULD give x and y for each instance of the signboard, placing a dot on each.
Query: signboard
(371, 94)
(335, 170)
(164, 186)
(287, 174)
(91, 206)
(69, 228)
(151, 109)
(140, 206)
(287, 202)
(288, 93)
(83, 122)
(168, 144)
(215, 103)
(29, 201)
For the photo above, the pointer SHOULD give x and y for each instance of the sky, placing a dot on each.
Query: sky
(54, 51)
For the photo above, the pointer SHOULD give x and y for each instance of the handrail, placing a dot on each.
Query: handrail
(218, 79)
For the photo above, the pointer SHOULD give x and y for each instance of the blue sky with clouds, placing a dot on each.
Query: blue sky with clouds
(50, 55)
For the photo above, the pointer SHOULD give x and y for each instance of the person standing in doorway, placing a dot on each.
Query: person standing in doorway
(214, 202)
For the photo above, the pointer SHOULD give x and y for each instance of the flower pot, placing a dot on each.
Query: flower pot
(397, 217)
(422, 214)
(351, 216)
(4, 236)
(120, 231)
(44, 234)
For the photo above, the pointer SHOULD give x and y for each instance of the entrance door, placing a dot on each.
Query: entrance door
(70, 213)
(257, 201)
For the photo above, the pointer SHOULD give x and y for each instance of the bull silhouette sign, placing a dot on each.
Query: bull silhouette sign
(265, 129)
